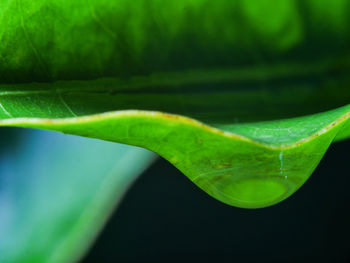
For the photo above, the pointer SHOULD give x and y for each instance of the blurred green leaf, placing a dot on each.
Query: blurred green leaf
(215, 61)
(57, 191)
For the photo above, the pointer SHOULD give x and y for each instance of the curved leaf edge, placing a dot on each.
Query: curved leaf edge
(239, 170)
(56, 124)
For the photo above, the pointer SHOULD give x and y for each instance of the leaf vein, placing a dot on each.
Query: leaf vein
(30, 43)
(65, 104)
(5, 111)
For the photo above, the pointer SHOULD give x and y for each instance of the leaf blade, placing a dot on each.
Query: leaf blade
(213, 159)
(215, 62)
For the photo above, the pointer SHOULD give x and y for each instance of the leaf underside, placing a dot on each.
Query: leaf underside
(203, 95)
(248, 165)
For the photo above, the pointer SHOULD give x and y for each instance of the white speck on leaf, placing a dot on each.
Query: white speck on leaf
(282, 165)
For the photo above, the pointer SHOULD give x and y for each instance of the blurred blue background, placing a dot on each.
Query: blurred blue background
(57, 191)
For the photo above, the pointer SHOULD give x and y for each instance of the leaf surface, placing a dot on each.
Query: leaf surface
(247, 165)
(197, 82)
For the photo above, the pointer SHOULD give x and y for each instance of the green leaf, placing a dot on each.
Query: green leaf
(245, 165)
(57, 191)
(215, 61)
(221, 68)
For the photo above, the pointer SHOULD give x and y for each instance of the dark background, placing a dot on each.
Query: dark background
(166, 218)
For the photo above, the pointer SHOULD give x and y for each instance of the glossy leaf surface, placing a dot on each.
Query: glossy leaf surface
(248, 165)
